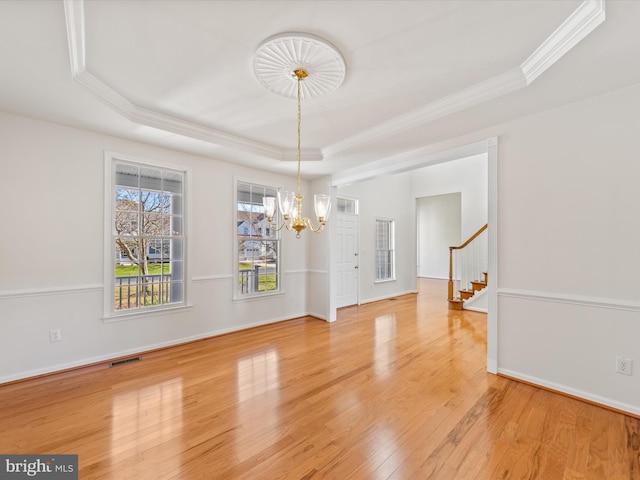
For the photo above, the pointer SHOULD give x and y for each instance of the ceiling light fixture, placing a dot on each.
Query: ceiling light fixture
(317, 67)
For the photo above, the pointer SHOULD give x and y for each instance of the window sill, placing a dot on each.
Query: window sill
(151, 312)
(257, 297)
(386, 280)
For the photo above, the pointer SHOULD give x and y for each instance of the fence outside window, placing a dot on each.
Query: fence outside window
(135, 291)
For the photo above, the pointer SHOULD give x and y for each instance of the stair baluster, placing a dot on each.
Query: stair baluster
(467, 268)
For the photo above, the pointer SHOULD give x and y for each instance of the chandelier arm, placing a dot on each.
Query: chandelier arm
(309, 224)
(274, 226)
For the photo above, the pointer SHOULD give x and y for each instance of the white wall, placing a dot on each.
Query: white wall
(466, 175)
(319, 258)
(438, 223)
(569, 232)
(51, 252)
(387, 197)
(568, 236)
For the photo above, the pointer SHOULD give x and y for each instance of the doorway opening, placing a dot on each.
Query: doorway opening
(346, 252)
(381, 190)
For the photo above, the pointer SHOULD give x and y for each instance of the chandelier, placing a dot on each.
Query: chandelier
(317, 67)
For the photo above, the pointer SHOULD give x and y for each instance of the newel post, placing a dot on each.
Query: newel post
(450, 284)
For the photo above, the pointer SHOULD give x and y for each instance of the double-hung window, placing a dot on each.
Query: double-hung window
(385, 269)
(257, 242)
(146, 236)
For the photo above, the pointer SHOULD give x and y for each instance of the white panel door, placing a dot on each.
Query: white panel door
(346, 259)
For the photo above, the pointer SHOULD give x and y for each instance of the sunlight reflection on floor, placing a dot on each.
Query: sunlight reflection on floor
(146, 417)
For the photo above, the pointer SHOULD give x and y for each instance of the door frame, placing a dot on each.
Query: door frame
(357, 247)
(432, 155)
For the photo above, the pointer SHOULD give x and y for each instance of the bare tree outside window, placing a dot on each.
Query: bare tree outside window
(148, 236)
(141, 219)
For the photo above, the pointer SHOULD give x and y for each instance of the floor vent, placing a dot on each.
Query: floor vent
(126, 360)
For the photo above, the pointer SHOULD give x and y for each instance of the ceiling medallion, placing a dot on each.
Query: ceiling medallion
(278, 57)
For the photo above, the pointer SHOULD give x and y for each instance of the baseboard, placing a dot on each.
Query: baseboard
(572, 392)
(476, 309)
(387, 297)
(107, 358)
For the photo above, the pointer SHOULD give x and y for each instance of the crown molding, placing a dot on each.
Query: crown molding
(307, 155)
(573, 30)
(479, 93)
(74, 15)
(412, 160)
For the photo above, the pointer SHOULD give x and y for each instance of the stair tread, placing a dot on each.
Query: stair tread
(456, 304)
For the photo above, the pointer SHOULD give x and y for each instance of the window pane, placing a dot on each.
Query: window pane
(124, 267)
(384, 249)
(126, 223)
(126, 200)
(173, 271)
(346, 205)
(257, 241)
(125, 296)
(127, 175)
(128, 249)
(172, 182)
(174, 225)
(148, 226)
(150, 179)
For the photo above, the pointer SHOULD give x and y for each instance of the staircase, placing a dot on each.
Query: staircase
(467, 269)
(457, 303)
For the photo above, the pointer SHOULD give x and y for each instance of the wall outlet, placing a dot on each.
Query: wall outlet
(624, 365)
(55, 335)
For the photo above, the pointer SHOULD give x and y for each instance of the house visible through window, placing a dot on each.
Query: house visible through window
(384, 250)
(258, 244)
(147, 236)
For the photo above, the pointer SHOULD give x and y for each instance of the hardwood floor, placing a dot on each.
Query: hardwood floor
(392, 390)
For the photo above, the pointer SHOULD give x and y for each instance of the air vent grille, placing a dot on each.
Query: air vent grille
(123, 361)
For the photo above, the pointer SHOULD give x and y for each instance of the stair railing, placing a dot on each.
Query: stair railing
(467, 262)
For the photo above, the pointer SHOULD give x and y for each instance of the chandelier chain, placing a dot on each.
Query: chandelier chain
(299, 122)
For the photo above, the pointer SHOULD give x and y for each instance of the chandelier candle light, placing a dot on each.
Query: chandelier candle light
(290, 53)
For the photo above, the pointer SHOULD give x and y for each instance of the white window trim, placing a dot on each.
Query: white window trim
(237, 297)
(109, 313)
(392, 241)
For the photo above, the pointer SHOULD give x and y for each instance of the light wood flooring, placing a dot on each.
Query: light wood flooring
(393, 390)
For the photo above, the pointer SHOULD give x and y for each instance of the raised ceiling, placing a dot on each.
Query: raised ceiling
(179, 73)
